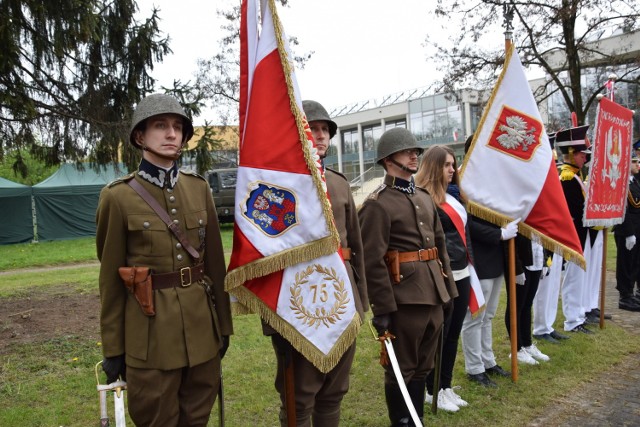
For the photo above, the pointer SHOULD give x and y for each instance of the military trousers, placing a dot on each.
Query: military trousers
(177, 397)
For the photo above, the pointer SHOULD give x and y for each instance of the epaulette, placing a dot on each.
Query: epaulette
(121, 179)
(192, 173)
(375, 193)
(337, 173)
(567, 172)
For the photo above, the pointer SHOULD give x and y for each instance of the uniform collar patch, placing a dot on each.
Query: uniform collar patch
(160, 177)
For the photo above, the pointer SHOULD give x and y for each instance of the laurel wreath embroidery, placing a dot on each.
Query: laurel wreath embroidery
(321, 316)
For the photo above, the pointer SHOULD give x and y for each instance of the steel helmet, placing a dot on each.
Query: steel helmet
(315, 112)
(394, 140)
(155, 104)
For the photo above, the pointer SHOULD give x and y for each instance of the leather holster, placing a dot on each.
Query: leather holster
(138, 281)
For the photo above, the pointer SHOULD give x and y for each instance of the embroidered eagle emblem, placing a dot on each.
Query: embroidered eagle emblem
(516, 134)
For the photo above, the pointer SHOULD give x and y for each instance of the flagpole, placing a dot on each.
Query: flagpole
(605, 230)
(511, 279)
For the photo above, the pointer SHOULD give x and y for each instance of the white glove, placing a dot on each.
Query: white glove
(545, 271)
(630, 242)
(510, 230)
(520, 279)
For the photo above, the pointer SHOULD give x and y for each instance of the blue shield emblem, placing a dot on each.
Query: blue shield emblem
(272, 209)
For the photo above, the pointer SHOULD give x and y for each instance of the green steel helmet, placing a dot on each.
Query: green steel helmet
(315, 111)
(155, 104)
(394, 140)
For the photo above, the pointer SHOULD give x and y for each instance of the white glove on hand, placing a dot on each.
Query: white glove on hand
(510, 230)
(520, 279)
(545, 271)
(630, 242)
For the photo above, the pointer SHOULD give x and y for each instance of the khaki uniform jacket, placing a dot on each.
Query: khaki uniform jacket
(345, 215)
(185, 330)
(394, 220)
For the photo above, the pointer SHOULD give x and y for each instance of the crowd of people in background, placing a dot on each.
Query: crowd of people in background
(415, 268)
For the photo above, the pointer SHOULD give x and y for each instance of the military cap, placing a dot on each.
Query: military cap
(573, 138)
(316, 112)
(154, 105)
(395, 140)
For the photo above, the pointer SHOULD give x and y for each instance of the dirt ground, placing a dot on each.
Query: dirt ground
(45, 314)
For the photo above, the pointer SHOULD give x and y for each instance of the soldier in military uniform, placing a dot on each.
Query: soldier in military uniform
(573, 145)
(318, 395)
(407, 300)
(171, 359)
(626, 236)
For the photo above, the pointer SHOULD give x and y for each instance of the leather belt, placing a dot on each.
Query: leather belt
(419, 255)
(183, 277)
(346, 253)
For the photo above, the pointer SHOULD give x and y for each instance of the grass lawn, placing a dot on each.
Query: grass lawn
(52, 383)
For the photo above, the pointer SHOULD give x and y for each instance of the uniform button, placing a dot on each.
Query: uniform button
(179, 257)
(172, 198)
(421, 223)
(174, 211)
(401, 276)
(417, 207)
(179, 245)
(200, 222)
(428, 239)
(146, 224)
(169, 190)
(175, 221)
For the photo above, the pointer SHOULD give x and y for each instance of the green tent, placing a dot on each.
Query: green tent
(16, 225)
(66, 202)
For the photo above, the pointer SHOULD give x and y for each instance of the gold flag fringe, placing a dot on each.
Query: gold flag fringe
(324, 362)
(279, 261)
(295, 110)
(238, 309)
(526, 230)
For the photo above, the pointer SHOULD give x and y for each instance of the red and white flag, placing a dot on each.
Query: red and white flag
(509, 171)
(285, 265)
(608, 182)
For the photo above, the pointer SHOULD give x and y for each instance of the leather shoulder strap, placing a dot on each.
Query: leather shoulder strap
(164, 216)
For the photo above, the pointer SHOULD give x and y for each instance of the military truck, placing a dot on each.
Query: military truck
(223, 188)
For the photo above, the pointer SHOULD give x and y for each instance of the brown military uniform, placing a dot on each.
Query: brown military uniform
(397, 220)
(318, 395)
(186, 330)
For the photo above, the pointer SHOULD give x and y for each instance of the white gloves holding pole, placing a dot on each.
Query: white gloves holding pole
(510, 230)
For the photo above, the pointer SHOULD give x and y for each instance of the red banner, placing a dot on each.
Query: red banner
(609, 172)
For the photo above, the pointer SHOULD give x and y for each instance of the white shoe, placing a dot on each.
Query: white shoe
(452, 396)
(445, 403)
(525, 358)
(533, 351)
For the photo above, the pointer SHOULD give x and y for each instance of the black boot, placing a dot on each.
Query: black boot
(398, 412)
(629, 304)
(416, 390)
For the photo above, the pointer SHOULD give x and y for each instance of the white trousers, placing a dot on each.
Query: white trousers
(574, 286)
(477, 334)
(594, 272)
(545, 303)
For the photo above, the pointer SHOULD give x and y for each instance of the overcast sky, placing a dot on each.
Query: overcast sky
(363, 49)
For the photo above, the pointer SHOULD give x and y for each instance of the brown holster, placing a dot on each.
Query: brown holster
(392, 259)
(138, 281)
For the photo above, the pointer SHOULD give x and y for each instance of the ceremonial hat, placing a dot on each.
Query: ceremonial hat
(636, 145)
(573, 139)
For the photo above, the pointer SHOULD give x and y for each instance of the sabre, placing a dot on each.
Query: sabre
(118, 387)
(396, 370)
(400, 380)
